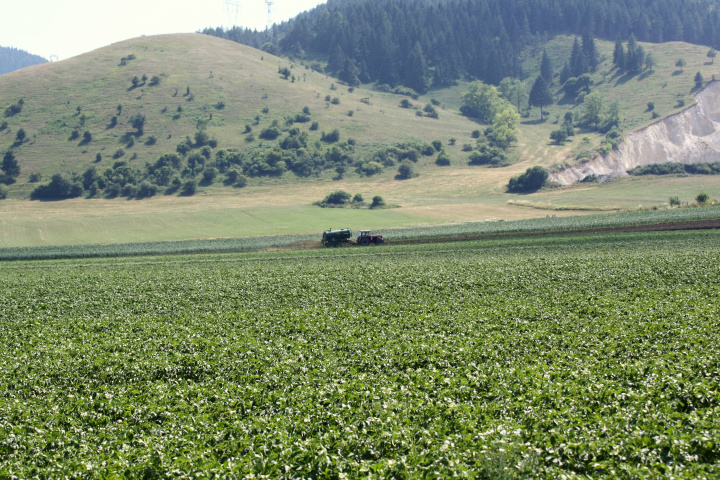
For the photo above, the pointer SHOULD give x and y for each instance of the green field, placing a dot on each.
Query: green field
(583, 356)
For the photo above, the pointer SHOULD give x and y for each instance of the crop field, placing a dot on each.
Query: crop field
(569, 355)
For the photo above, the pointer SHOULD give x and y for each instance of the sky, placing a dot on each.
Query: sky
(65, 28)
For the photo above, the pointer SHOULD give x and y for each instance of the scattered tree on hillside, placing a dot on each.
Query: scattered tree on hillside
(10, 168)
(680, 63)
(711, 54)
(699, 80)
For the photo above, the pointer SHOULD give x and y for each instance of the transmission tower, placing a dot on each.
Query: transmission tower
(232, 8)
(269, 4)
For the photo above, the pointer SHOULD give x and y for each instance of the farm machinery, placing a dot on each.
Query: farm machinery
(336, 238)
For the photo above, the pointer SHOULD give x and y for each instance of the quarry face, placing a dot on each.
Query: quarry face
(691, 136)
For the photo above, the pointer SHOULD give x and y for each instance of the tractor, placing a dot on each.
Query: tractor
(366, 237)
(335, 238)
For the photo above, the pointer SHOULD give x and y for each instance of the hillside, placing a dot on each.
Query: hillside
(219, 88)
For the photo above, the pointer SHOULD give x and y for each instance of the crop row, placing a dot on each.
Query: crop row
(585, 356)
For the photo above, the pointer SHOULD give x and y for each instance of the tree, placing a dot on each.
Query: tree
(699, 80)
(590, 51)
(619, 55)
(504, 129)
(650, 61)
(680, 63)
(533, 179)
(559, 136)
(138, 123)
(481, 101)
(416, 70)
(593, 109)
(10, 166)
(540, 95)
(546, 69)
(711, 54)
(377, 202)
(578, 60)
(20, 137)
(405, 171)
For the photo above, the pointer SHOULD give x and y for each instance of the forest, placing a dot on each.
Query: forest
(425, 43)
(12, 59)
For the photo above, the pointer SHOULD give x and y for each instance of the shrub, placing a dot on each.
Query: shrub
(442, 160)
(488, 155)
(314, 126)
(59, 188)
(674, 201)
(437, 145)
(188, 188)
(331, 137)
(405, 103)
(146, 190)
(270, 133)
(559, 136)
(532, 180)
(119, 153)
(405, 171)
(358, 198)
(377, 202)
(702, 198)
(335, 199)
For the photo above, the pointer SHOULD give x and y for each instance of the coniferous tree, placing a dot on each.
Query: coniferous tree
(540, 95)
(619, 55)
(578, 60)
(590, 51)
(546, 69)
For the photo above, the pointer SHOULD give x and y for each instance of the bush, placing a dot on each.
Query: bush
(405, 171)
(674, 201)
(270, 133)
(442, 160)
(59, 188)
(437, 145)
(331, 137)
(702, 198)
(146, 190)
(487, 155)
(188, 188)
(377, 202)
(532, 180)
(338, 198)
(559, 136)
(241, 181)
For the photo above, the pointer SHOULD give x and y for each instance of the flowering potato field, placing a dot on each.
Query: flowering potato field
(583, 356)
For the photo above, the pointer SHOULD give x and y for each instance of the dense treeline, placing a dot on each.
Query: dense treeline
(12, 59)
(435, 42)
(673, 168)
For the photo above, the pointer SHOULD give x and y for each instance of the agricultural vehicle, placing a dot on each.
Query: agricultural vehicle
(335, 238)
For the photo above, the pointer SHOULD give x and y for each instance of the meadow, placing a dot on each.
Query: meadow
(568, 355)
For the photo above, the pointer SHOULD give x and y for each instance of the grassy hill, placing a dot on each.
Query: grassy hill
(205, 83)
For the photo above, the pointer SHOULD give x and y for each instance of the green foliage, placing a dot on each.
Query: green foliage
(377, 202)
(59, 188)
(331, 137)
(675, 201)
(440, 341)
(481, 101)
(487, 154)
(532, 180)
(540, 95)
(405, 171)
(559, 136)
(188, 188)
(338, 198)
(702, 198)
(442, 160)
(674, 168)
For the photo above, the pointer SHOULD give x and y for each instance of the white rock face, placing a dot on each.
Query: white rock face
(691, 136)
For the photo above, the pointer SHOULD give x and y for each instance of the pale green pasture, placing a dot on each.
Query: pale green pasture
(168, 225)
